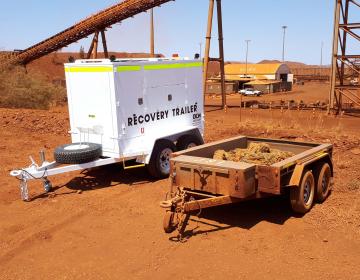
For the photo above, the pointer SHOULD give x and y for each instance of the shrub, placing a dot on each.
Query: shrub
(19, 89)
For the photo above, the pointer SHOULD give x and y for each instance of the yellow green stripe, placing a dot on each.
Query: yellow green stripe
(172, 66)
(89, 69)
(128, 68)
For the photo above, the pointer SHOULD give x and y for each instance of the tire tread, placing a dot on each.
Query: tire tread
(88, 154)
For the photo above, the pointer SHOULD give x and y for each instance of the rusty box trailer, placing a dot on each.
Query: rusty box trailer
(198, 181)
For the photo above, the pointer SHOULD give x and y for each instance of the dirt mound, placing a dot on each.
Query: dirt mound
(20, 89)
(257, 153)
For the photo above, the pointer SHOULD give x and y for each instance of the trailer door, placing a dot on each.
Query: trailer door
(91, 105)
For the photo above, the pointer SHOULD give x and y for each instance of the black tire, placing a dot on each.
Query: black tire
(77, 153)
(187, 141)
(47, 186)
(302, 197)
(159, 165)
(323, 183)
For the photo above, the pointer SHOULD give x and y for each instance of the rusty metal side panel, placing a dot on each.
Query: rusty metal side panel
(305, 156)
(196, 205)
(218, 181)
(268, 179)
(245, 184)
(207, 180)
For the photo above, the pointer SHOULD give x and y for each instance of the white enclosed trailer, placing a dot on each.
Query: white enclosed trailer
(140, 109)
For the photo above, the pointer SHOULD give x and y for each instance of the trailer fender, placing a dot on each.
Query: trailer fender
(299, 168)
(173, 137)
(297, 174)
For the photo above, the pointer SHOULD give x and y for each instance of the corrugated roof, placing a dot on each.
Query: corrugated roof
(261, 82)
(236, 78)
(252, 69)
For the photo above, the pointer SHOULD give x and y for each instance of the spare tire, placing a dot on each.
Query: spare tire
(77, 153)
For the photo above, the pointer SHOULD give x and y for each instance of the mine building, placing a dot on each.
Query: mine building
(268, 78)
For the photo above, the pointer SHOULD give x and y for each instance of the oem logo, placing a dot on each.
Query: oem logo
(196, 116)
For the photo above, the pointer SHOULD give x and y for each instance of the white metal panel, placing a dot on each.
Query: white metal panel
(290, 78)
(129, 128)
(129, 89)
(91, 108)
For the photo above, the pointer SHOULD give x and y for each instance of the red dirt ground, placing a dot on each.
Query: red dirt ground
(107, 224)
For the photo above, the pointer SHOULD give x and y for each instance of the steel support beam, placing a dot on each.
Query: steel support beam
(103, 19)
(103, 39)
(91, 47)
(344, 66)
(207, 59)
(221, 53)
(96, 43)
(207, 44)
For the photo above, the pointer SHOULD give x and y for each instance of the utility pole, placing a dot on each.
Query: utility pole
(247, 53)
(152, 43)
(283, 50)
(321, 54)
(321, 59)
(207, 44)
(221, 54)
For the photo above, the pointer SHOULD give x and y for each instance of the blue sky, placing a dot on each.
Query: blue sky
(181, 26)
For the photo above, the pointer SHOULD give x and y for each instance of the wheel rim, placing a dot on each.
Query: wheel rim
(191, 145)
(307, 192)
(164, 160)
(76, 147)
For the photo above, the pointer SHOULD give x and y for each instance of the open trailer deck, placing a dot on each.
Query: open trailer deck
(198, 181)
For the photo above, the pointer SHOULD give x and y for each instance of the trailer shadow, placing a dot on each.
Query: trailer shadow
(98, 178)
(244, 215)
(108, 176)
(52, 193)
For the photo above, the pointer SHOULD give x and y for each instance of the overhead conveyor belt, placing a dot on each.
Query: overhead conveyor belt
(88, 26)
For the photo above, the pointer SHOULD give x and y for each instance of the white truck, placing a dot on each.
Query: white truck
(121, 110)
(250, 92)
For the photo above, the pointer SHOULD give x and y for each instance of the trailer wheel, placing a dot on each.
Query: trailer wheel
(323, 183)
(77, 153)
(168, 224)
(188, 141)
(302, 197)
(47, 185)
(159, 165)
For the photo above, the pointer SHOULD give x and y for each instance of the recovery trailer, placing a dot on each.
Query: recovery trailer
(197, 181)
(130, 109)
